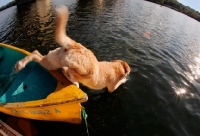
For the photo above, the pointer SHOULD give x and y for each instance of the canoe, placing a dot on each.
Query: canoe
(6, 130)
(36, 93)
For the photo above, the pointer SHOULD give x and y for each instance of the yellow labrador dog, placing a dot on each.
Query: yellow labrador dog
(78, 63)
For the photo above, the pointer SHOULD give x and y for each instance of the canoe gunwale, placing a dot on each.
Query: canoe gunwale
(15, 48)
(43, 102)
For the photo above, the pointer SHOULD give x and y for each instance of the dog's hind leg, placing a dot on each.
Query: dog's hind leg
(34, 56)
(37, 52)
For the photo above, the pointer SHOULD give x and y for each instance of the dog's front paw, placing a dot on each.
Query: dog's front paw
(77, 84)
(18, 66)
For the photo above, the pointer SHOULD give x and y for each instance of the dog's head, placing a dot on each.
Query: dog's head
(125, 67)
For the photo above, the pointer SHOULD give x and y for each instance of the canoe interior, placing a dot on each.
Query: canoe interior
(31, 83)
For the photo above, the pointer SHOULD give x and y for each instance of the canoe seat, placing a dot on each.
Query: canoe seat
(30, 84)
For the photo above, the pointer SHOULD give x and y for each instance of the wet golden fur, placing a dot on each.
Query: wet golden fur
(78, 63)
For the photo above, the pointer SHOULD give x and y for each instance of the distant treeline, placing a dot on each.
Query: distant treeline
(174, 4)
(10, 4)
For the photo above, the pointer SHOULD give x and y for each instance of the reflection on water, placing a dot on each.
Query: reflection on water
(180, 91)
(162, 96)
(43, 9)
(193, 78)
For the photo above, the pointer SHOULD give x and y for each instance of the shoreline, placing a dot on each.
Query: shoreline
(183, 7)
(15, 3)
(8, 5)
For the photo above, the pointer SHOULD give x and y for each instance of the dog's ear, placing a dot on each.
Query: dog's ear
(126, 67)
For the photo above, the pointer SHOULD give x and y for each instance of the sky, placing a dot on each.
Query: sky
(195, 4)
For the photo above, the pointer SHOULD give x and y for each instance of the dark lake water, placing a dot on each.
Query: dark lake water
(162, 46)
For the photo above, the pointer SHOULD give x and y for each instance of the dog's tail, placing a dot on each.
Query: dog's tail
(60, 32)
